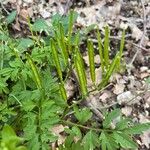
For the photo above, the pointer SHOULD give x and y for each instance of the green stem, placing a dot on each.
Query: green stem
(85, 127)
(2, 57)
(39, 130)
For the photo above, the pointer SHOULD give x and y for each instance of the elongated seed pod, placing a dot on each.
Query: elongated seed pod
(35, 72)
(122, 43)
(63, 91)
(62, 44)
(110, 71)
(100, 51)
(106, 47)
(91, 60)
(121, 49)
(80, 72)
(56, 59)
(71, 17)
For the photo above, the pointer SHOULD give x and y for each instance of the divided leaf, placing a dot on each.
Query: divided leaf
(90, 141)
(110, 117)
(10, 140)
(25, 43)
(11, 17)
(107, 141)
(124, 140)
(40, 25)
(138, 128)
(82, 115)
(122, 124)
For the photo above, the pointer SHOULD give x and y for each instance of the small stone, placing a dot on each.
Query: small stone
(97, 59)
(28, 1)
(126, 111)
(143, 68)
(124, 97)
(118, 89)
(45, 14)
(103, 97)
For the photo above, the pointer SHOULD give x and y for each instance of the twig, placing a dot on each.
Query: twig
(3, 7)
(143, 35)
(136, 45)
(85, 127)
(96, 111)
(81, 126)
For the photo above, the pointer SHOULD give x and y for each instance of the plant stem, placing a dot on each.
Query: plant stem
(85, 127)
(39, 130)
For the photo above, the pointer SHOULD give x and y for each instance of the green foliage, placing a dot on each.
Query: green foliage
(111, 116)
(90, 140)
(11, 17)
(40, 25)
(82, 115)
(25, 43)
(33, 74)
(10, 140)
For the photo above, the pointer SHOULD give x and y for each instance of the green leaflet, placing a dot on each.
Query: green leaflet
(123, 123)
(82, 115)
(40, 25)
(100, 51)
(124, 140)
(11, 17)
(9, 140)
(90, 140)
(138, 128)
(110, 117)
(106, 47)
(25, 43)
(107, 141)
(56, 59)
(35, 72)
(80, 72)
(91, 60)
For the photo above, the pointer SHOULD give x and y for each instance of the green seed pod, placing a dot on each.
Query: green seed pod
(91, 60)
(80, 72)
(35, 72)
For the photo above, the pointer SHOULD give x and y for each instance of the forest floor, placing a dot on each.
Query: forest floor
(129, 90)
